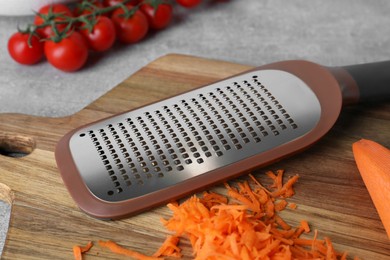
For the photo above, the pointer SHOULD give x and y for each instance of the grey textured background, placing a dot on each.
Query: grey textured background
(254, 32)
(251, 32)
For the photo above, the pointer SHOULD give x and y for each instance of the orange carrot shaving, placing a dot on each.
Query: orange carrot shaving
(286, 191)
(279, 179)
(245, 225)
(259, 184)
(282, 223)
(330, 252)
(373, 162)
(292, 205)
(114, 247)
(305, 226)
(77, 253)
(210, 199)
(169, 248)
(79, 250)
(272, 176)
(281, 205)
(269, 208)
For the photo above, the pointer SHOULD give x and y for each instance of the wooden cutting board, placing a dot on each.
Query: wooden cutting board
(46, 223)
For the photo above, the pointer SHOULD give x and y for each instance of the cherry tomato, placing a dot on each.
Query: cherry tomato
(69, 54)
(158, 18)
(108, 3)
(21, 52)
(80, 10)
(189, 3)
(49, 12)
(115, 2)
(102, 36)
(132, 29)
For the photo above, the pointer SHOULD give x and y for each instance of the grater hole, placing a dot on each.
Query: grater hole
(200, 160)
(188, 161)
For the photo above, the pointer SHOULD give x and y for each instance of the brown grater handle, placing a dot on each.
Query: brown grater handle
(364, 82)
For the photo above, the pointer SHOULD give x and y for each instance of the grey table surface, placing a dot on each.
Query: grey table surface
(253, 32)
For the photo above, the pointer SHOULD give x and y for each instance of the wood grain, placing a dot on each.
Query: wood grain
(6, 194)
(46, 223)
(11, 143)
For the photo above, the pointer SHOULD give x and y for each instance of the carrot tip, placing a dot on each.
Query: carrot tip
(373, 162)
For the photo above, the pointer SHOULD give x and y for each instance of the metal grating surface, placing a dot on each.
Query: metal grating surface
(160, 145)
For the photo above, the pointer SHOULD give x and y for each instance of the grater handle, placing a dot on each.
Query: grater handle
(364, 82)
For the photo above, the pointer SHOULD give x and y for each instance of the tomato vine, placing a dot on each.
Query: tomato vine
(65, 36)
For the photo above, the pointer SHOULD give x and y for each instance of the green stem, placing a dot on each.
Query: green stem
(63, 19)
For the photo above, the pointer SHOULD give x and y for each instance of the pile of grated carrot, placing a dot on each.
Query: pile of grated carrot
(245, 224)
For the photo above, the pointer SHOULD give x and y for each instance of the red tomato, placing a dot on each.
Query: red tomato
(111, 2)
(158, 18)
(108, 3)
(115, 2)
(102, 36)
(21, 52)
(48, 12)
(69, 54)
(189, 3)
(96, 5)
(132, 29)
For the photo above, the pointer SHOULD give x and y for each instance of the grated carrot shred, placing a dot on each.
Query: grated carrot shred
(281, 205)
(114, 247)
(305, 226)
(292, 205)
(245, 224)
(169, 248)
(79, 250)
(77, 253)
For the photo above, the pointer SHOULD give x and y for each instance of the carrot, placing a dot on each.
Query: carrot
(169, 248)
(79, 250)
(373, 162)
(279, 179)
(259, 184)
(77, 253)
(282, 223)
(292, 206)
(269, 208)
(286, 191)
(305, 226)
(245, 224)
(330, 253)
(281, 205)
(114, 247)
(210, 199)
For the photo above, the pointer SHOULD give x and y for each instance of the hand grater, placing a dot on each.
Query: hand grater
(139, 159)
